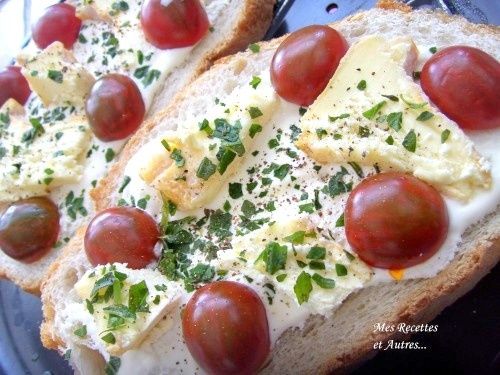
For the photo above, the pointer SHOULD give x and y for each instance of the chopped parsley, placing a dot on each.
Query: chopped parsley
(274, 256)
(55, 75)
(361, 85)
(323, 282)
(254, 112)
(112, 366)
(339, 117)
(389, 140)
(373, 111)
(126, 181)
(254, 47)
(281, 171)
(411, 104)
(206, 169)
(81, 331)
(340, 221)
(254, 129)
(235, 190)
(317, 253)
(445, 135)
(340, 269)
(410, 141)
(392, 98)
(177, 157)
(255, 81)
(433, 50)
(337, 185)
(109, 155)
(320, 132)
(424, 116)
(395, 120)
(303, 287)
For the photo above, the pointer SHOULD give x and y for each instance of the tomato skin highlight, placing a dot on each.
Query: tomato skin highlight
(394, 220)
(115, 107)
(13, 85)
(464, 83)
(305, 61)
(121, 235)
(29, 229)
(225, 328)
(58, 23)
(182, 23)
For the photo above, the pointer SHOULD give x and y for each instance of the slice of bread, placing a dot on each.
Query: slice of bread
(347, 336)
(239, 23)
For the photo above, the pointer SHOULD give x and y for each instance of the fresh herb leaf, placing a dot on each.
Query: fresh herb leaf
(320, 132)
(356, 168)
(373, 111)
(235, 190)
(254, 129)
(296, 238)
(206, 169)
(307, 207)
(361, 85)
(282, 171)
(255, 48)
(323, 282)
(316, 252)
(411, 104)
(336, 185)
(303, 287)
(392, 98)
(55, 75)
(112, 366)
(110, 155)
(274, 256)
(248, 208)
(255, 81)
(433, 50)
(425, 115)
(445, 134)
(81, 331)
(340, 269)
(395, 120)
(177, 157)
(254, 112)
(137, 297)
(340, 221)
(205, 127)
(126, 181)
(410, 141)
(109, 338)
(389, 140)
(339, 117)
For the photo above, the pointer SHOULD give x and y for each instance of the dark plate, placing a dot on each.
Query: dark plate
(468, 339)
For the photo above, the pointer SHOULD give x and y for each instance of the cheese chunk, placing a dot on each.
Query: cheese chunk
(38, 157)
(306, 252)
(189, 165)
(405, 133)
(103, 10)
(56, 77)
(158, 298)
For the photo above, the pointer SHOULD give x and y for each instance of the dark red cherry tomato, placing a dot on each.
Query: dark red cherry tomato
(58, 23)
(181, 23)
(29, 229)
(464, 83)
(394, 220)
(121, 235)
(305, 61)
(13, 85)
(115, 107)
(225, 328)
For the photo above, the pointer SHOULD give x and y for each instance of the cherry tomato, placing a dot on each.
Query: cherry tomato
(181, 23)
(58, 23)
(464, 83)
(121, 235)
(225, 328)
(394, 220)
(13, 85)
(29, 229)
(304, 63)
(115, 107)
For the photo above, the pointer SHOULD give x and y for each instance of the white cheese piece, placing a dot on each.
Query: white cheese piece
(103, 10)
(178, 180)
(161, 297)
(56, 77)
(336, 127)
(40, 157)
(245, 257)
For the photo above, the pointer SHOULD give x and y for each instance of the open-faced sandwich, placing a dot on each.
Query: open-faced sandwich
(291, 197)
(93, 72)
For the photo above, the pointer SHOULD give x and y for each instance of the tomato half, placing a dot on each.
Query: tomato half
(464, 83)
(13, 85)
(225, 328)
(181, 23)
(29, 229)
(122, 235)
(58, 23)
(115, 107)
(394, 220)
(305, 61)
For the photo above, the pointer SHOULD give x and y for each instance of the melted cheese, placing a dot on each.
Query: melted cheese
(182, 181)
(415, 145)
(133, 331)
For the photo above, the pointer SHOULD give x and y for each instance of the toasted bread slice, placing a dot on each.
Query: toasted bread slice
(347, 336)
(239, 23)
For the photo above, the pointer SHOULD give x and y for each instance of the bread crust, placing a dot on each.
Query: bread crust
(251, 24)
(423, 299)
